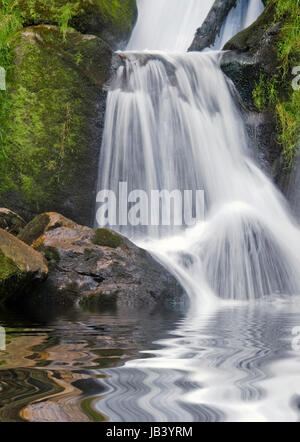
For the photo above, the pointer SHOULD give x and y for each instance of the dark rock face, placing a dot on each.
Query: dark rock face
(208, 32)
(249, 54)
(97, 266)
(11, 221)
(21, 268)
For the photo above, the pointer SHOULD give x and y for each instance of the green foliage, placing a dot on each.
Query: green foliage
(276, 92)
(64, 14)
(106, 238)
(47, 111)
(7, 267)
(119, 13)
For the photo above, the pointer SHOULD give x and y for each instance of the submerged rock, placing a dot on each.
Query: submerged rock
(97, 266)
(11, 221)
(21, 268)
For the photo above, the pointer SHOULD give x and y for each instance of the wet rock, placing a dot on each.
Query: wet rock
(11, 221)
(97, 266)
(21, 268)
(210, 29)
(250, 54)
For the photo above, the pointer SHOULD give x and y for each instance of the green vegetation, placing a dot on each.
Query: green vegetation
(120, 14)
(106, 238)
(34, 229)
(48, 114)
(276, 92)
(7, 268)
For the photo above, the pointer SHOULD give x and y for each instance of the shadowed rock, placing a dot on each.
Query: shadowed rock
(208, 32)
(11, 221)
(97, 266)
(21, 267)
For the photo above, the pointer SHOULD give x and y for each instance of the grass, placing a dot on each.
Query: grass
(277, 92)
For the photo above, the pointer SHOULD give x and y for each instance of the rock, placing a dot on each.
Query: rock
(206, 35)
(111, 20)
(21, 268)
(55, 115)
(11, 221)
(250, 54)
(97, 266)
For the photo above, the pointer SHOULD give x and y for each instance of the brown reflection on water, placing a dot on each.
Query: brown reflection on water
(51, 369)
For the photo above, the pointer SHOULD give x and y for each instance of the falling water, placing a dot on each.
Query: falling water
(180, 17)
(172, 124)
(239, 18)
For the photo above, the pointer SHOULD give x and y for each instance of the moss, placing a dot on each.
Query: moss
(7, 268)
(106, 238)
(275, 91)
(34, 229)
(51, 254)
(120, 14)
(11, 278)
(49, 113)
(109, 19)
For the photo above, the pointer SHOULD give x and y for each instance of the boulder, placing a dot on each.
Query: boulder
(21, 268)
(97, 266)
(252, 52)
(11, 221)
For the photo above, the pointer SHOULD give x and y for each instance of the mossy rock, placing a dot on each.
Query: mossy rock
(20, 267)
(54, 114)
(106, 238)
(34, 229)
(111, 20)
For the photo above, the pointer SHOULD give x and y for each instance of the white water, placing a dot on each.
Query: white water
(168, 25)
(172, 123)
(239, 18)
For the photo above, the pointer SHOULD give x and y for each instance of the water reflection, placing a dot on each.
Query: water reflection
(50, 370)
(235, 362)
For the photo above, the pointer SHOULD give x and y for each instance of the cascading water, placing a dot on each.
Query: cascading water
(239, 18)
(172, 124)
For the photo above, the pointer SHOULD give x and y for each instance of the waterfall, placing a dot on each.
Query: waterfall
(180, 18)
(239, 18)
(172, 123)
